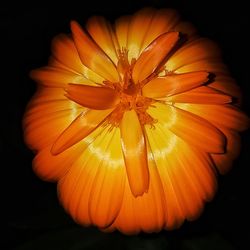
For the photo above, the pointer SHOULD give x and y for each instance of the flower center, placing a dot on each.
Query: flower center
(130, 93)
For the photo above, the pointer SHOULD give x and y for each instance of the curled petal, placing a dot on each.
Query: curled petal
(82, 126)
(153, 55)
(92, 56)
(135, 153)
(92, 97)
(174, 84)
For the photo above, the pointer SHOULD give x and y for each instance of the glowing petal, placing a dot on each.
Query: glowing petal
(153, 55)
(163, 21)
(174, 84)
(201, 94)
(223, 115)
(65, 55)
(92, 97)
(191, 128)
(82, 126)
(92, 56)
(56, 77)
(107, 192)
(135, 154)
(198, 49)
(92, 191)
(102, 33)
(139, 21)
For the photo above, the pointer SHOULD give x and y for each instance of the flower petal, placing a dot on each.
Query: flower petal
(65, 52)
(92, 97)
(163, 21)
(227, 115)
(174, 84)
(187, 175)
(65, 55)
(135, 153)
(224, 162)
(49, 109)
(133, 216)
(102, 33)
(92, 56)
(193, 51)
(82, 126)
(121, 30)
(107, 191)
(201, 94)
(140, 21)
(191, 128)
(75, 187)
(57, 77)
(153, 55)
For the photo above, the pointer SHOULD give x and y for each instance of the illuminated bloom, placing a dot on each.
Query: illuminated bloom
(134, 120)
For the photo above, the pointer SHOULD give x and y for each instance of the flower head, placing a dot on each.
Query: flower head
(133, 120)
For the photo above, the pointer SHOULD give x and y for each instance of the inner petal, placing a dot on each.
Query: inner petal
(151, 58)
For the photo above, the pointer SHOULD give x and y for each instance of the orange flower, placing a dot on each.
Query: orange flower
(133, 120)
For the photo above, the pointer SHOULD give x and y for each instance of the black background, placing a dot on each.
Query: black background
(32, 217)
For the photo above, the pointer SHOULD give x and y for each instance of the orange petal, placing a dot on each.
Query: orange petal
(191, 128)
(174, 84)
(201, 94)
(49, 109)
(220, 115)
(107, 191)
(92, 56)
(153, 55)
(163, 21)
(64, 50)
(57, 77)
(82, 126)
(193, 51)
(224, 162)
(137, 29)
(92, 97)
(135, 153)
(121, 30)
(102, 33)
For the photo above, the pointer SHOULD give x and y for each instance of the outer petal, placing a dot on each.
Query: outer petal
(92, 56)
(121, 30)
(151, 58)
(189, 127)
(49, 113)
(57, 77)
(92, 190)
(145, 213)
(135, 153)
(193, 51)
(107, 192)
(187, 175)
(201, 94)
(137, 30)
(54, 167)
(220, 115)
(65, 52)
(224, 162)
(82, 126)
(103, 34)
(174, 84)
(163, 21)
